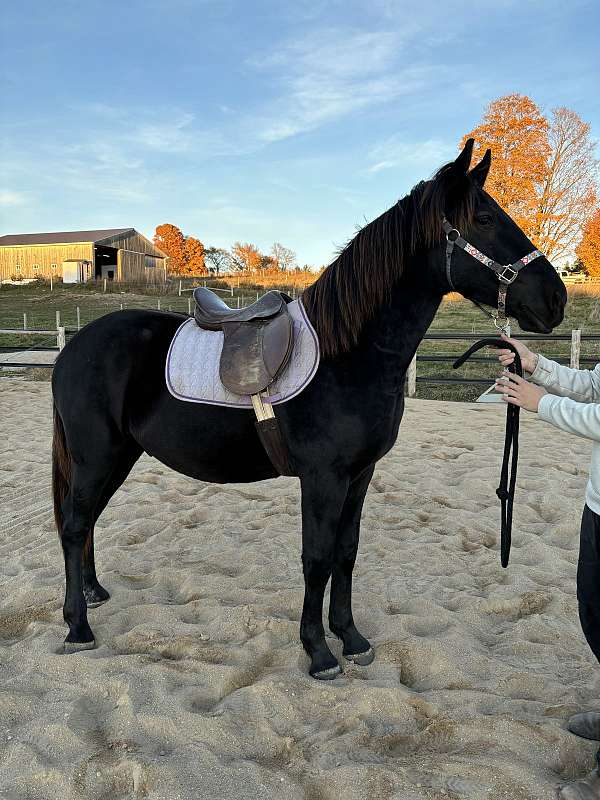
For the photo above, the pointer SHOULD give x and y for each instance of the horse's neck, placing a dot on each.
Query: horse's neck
(398, 328)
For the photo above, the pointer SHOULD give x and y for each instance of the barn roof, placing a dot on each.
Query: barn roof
(62, 237)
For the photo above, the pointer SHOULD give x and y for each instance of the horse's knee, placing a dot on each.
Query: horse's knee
(317, 568)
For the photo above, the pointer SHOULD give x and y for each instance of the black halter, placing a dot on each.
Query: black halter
(505, 274)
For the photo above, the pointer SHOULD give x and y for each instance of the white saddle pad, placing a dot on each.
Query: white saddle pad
(192, 369)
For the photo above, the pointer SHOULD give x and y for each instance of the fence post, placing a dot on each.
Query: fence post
(189, 306)
(51, 289)
(232, 290)
(78, 319)
(104, 284)
(411, 377)
(24, 321)
(61, 339)
(575, 348)
(158, 304)
(238, 301)
(57, 320)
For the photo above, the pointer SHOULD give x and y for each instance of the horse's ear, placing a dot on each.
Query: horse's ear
(464, 159)
(480, 172)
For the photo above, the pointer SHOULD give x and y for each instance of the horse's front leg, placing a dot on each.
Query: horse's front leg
(323, 498)
(341, 621)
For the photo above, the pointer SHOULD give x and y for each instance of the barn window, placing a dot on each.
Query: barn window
(52, 266)
(149, 261)
(36, 267)
(17, 268)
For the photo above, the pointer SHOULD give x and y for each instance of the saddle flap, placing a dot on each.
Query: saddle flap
(253, 355)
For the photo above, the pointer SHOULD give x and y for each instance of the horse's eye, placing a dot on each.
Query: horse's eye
(484, 219)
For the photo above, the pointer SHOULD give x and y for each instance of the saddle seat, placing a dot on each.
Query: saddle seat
(257, 341)
(210, 311)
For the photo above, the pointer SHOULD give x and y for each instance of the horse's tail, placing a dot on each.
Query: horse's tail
(61, 468)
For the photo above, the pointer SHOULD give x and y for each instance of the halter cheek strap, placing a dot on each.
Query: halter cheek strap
(506, 274)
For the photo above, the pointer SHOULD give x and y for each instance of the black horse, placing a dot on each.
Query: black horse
(370, 308)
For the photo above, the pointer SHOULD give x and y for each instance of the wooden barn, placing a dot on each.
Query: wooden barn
(120, 254)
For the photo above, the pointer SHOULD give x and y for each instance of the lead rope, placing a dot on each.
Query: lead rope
(508, 479)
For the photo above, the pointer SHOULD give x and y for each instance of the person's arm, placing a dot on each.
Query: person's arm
(582, 385)
(582, 419)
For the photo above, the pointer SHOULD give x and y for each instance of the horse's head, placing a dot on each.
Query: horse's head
(536, 297)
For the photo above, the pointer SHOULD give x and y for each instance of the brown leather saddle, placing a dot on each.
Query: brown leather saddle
(257, 345)
(257, 342)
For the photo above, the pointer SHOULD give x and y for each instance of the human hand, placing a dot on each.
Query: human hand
(519, 392)
(506, 357)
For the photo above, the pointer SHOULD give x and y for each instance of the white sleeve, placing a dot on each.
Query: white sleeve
(582, 419)
(582, 385)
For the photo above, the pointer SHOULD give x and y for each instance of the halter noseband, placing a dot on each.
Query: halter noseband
(505, 274)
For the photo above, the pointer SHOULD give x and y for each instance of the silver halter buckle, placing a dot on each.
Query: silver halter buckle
(505, 277)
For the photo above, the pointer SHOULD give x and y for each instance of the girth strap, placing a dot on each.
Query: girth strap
(506, 488)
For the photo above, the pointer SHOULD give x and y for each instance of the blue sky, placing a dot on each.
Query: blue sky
(262, 121)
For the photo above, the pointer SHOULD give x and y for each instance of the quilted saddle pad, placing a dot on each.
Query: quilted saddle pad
(192, 368)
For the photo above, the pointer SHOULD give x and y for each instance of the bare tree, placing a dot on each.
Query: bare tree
(283, 257)
(568, 193)
(218, 258)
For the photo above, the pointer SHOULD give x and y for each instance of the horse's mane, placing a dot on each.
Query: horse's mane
(360, 280)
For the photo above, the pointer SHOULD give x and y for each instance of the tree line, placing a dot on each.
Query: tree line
(544, 174)
(188, 256)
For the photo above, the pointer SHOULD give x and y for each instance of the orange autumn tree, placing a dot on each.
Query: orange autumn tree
(517, 134)
(543, 172)
(588, 251)
(169, 239)
(193, 256)
(246, 256)
(186, 253)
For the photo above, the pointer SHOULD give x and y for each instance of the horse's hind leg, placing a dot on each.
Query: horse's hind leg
(341, 621)
(78, 511)
(94, 593)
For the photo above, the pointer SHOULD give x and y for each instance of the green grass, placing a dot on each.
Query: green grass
(41, 305)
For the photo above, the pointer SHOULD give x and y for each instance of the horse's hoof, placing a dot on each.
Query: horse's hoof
(327, 674)
(95, 596)
(95, 603)
(76, 647)
(361, 659)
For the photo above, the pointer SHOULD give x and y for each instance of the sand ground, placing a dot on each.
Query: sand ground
(199, 687)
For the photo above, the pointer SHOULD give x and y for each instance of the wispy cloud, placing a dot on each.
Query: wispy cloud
(397, 152)
(174, 135)
(9, 199)
(331, 74)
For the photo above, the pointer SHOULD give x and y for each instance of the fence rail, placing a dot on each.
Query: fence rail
(60, 332)
(412, 377)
